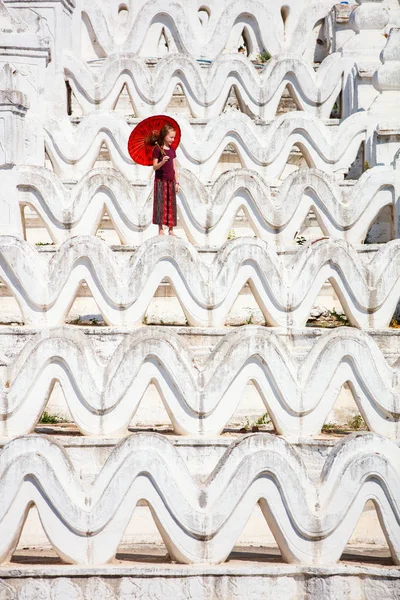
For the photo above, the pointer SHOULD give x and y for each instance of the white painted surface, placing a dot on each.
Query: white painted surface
(236, 155)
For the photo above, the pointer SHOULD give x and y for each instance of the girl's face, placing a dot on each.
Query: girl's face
(169, 138)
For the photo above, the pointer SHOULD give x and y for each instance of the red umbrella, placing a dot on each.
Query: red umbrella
(142, 139)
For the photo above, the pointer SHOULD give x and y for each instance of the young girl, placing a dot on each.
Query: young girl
(165, 183)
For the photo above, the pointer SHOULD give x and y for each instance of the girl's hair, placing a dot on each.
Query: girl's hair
(163, 134)
(157, 139)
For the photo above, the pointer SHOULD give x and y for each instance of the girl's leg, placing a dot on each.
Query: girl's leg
(172, 209)
(158, 203)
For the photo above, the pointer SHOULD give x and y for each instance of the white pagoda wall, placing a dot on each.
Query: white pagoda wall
(289, 207)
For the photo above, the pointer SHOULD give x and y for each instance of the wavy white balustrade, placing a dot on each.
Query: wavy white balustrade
(207, 213)
(103, 396)
(263, 22)
(74, 149)
(206, 89)
(123, 285)
(311, 522)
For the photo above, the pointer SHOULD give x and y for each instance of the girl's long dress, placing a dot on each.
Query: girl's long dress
(164, 204)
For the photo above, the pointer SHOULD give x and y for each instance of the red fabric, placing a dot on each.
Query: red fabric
(164, 203)
(166, 171)
(139, 147)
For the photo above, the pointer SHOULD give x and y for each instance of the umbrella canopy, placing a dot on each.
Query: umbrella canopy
(142, 139)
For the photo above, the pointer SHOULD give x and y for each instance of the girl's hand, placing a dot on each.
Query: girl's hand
(165, 159)
(176, 187)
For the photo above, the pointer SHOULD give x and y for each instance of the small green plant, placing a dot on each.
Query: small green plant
(329, 427)
(300, 240)
(342, 318)
(263, 420)
(145, 320)
(249, 321)
(99, 236)
(49, 419)
(44, 244)
(366, 166)
(357, 423)
(264, 56)
(94, 321)
(254, 427)
(231, 234)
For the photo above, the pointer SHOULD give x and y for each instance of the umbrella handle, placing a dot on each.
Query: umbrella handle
(161, 149)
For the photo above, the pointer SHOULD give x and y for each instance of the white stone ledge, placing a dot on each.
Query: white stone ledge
(103, 394)
(74, 149)
(207, 213)
(205, 88)
(262, 22)
(123, 286)
(201, 456)
(251, 569)
(311, 521)
(210, 583)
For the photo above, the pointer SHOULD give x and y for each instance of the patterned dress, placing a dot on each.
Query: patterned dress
(164, 204)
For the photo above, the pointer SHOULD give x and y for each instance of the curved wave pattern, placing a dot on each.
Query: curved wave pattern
(263, 22)
(311, 522)
(123, 285)
(206, 90)
(73, 150)
(207, 213)
(103, 396)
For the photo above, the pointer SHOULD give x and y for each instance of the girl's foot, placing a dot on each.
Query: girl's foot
(161, 232)
(171, 232)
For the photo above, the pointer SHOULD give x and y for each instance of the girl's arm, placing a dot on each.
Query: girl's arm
(157, 165)
(175, 163)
